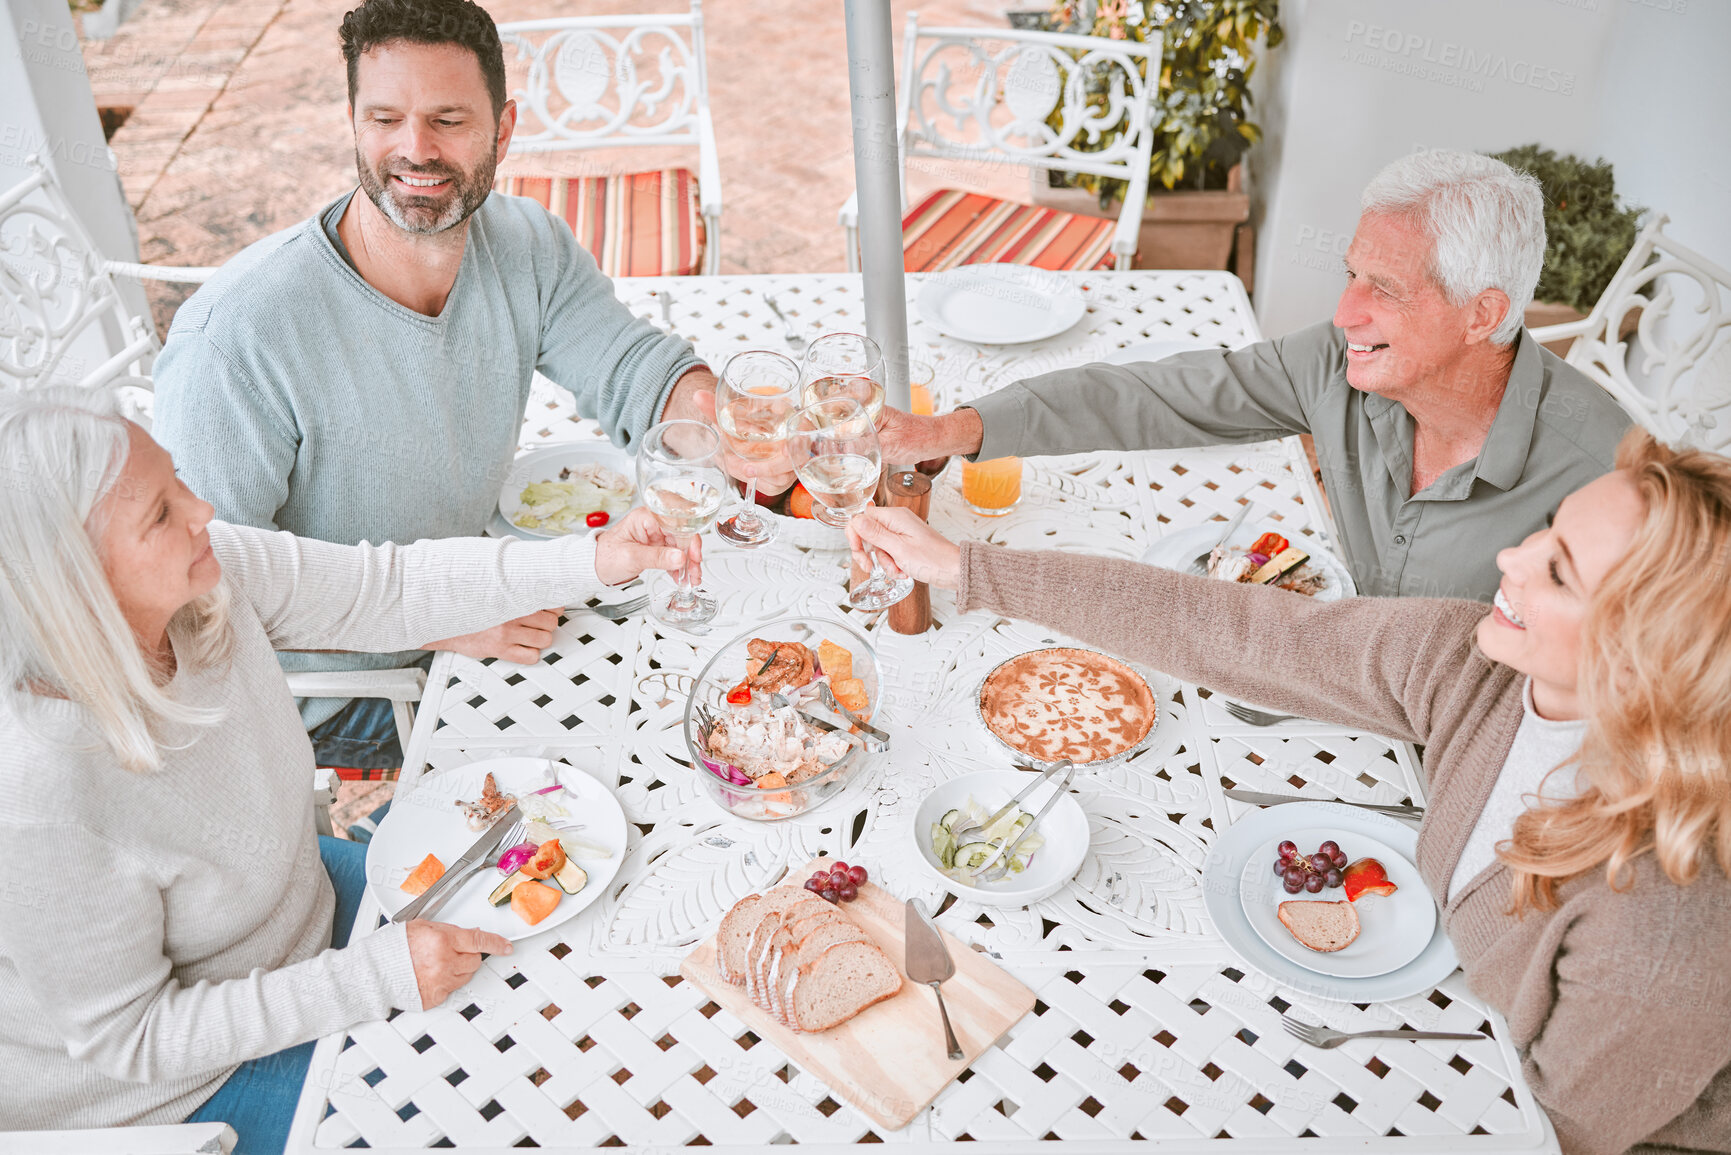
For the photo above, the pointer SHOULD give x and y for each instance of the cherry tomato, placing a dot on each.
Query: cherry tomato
(1270, 544)
(597, 519)
(739, 695)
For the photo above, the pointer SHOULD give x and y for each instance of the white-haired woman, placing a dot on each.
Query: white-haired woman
(1578, 751)
(1443, 430)
(164, 918)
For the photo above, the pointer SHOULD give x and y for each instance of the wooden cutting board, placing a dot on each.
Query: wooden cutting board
(888, 1061)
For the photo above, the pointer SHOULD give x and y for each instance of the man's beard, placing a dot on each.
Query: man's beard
(426, 215)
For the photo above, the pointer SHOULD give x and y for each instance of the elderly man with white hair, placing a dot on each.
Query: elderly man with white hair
(1443, 430)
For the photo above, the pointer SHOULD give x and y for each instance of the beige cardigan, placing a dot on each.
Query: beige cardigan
(1619, 1003)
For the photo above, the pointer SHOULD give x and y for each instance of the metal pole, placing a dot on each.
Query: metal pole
(877, 177)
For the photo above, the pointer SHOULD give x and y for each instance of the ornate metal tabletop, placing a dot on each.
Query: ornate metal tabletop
(1147, 1027)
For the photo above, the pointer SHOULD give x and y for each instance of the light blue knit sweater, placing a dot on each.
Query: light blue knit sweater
(293, 395)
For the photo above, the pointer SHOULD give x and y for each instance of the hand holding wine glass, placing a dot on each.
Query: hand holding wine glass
(835, 452)
(845, 365)
(680, 476)
(757, 392)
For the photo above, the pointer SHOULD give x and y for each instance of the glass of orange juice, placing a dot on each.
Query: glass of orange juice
(921, 375)
(992, 488)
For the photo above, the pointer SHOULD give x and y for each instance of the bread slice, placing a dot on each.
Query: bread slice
(805, 949)
(840, 983)
(764, 932)
(793, 923)
(1322, 926)
(734, 934)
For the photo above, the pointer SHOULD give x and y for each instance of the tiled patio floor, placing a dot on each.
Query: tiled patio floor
(239, 129)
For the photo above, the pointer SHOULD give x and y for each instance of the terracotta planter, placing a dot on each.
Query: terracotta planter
(1181, 229)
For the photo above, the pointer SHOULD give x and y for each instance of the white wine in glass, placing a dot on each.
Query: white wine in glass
(845, 365)
(868, 392)
(754, 396)
(679, 474)
(835, 451)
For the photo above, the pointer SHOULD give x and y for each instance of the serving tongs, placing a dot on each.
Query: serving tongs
(855, 742)
(1007, 848)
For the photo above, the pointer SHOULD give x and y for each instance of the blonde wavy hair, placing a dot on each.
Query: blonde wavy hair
(1655, 685)
(62, 632)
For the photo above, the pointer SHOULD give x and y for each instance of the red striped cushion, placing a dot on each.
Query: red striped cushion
(640, 224)
(952, 227)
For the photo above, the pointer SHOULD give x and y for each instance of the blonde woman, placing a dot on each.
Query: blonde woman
(1578, 750)
(166, 930)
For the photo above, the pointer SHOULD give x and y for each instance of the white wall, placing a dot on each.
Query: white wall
(1642, 83)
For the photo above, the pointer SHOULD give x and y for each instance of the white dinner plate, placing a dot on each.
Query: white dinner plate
(545, 464)
(1259, 831)
(1393, 928)
(426, 821)
(1000, 304)
(1176, 550)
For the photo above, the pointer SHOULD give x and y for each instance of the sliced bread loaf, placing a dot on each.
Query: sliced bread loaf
(764, 932)
(734, 936)
(805, 941)
(841, 982)
(1321, 926)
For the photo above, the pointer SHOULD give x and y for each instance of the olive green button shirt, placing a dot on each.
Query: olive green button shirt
(1554, 431)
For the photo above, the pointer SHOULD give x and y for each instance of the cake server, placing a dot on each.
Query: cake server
(928, 961)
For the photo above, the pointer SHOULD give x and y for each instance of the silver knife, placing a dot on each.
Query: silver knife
(1401, 810)
(473, 859)
(929, 962)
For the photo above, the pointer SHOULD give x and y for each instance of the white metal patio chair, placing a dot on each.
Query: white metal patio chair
(609, 82)
(1674, 373)
(988, 95)
(61, 317)
(174, 1139)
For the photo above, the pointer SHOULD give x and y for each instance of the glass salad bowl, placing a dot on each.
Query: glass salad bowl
(732, 788)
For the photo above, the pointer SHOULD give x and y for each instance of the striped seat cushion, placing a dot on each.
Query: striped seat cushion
(639, 224)
(952, 227)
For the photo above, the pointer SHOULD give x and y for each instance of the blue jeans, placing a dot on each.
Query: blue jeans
(258, 1100)
(363, 734)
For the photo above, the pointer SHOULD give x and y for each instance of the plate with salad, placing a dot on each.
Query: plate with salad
(567, 489)
(1045, 861)
(571, 849)
(1264, 552)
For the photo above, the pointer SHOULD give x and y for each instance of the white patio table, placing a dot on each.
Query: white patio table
(1147, 1027)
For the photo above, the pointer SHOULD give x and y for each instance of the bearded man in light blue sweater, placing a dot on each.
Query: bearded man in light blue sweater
(362, 376)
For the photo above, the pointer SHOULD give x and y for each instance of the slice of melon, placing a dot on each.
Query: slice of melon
(428, 872)
(532, 902)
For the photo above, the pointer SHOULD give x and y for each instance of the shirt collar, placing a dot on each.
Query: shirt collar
(1503, 457)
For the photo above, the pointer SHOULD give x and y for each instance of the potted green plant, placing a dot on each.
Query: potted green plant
(1197, 205)
(1588, 232)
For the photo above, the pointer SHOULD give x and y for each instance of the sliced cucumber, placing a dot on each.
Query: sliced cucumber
(948, 821)
(571, 877)
(502, 893)
(972, 855)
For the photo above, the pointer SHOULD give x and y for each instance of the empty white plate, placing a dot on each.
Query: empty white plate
(1000, 304)
(1393, 929)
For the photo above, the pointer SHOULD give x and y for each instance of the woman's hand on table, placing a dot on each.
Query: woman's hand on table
(637, 542)
(907, 545)
(519, 640)
(445, 956)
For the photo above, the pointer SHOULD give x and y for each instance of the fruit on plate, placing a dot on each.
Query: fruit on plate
(1309, 872)
(428, 872)
(532, 901)
(1324, 927)
(799, 502)
(546, 860)
(1366, 876)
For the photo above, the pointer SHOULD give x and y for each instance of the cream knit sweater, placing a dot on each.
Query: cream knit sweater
(158, 929)
(1619, 1002)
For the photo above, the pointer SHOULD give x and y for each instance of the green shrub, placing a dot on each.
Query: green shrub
(1588, 231)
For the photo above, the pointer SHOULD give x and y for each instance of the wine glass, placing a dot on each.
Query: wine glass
(835, 452)
(845, 365)
(679, 474)
(757, 392)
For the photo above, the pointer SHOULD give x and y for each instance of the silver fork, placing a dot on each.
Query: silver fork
(1326, 1038)
(1199, 564)
(791, 335)
(512, 837)
(621, 611)
(1256, 717)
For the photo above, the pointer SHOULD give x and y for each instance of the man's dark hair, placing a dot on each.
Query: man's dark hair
(378, 22)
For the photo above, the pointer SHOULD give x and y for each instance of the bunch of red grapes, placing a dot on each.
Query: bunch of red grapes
(838, 883)
(1312, 872)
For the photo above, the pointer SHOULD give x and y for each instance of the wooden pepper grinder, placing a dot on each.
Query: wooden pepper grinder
(912, 490)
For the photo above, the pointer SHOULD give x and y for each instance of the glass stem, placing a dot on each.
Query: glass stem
(747, 520)
(682, 596)
(877, 574)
